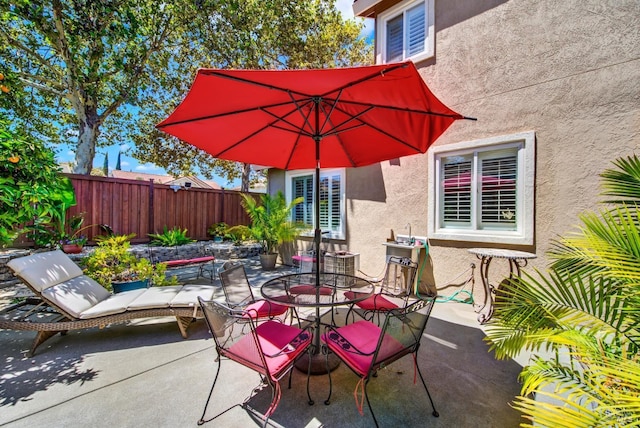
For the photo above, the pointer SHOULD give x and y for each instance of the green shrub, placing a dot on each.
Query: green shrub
(31, 187)
(112, 261)
(239, 233)
(171, 238)
(218, 229)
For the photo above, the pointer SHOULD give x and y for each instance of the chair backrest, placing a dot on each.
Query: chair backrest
(235, 284)
(399, 276)
(402, 332)
(235, 336)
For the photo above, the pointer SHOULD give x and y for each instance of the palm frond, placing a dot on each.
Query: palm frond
(607, 244)
(557, 302)
(622, 185)
(558, 412)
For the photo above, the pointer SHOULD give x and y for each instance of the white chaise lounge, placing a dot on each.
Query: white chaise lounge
(82, 303)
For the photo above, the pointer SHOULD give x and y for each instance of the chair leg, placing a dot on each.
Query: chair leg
(311, 402)
(435, 412)
(202, 421)
(366, 396)
(276, 394)
(326, 351)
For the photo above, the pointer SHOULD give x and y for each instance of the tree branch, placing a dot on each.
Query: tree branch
(72, 81)
(133, 81)
(46, 85)
(16, 44)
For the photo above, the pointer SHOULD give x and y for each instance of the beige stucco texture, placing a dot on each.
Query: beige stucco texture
(567, 70)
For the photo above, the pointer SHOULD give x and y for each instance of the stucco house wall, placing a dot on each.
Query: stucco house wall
(568, 71)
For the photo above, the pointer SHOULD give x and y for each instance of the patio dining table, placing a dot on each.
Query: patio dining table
(299, 290)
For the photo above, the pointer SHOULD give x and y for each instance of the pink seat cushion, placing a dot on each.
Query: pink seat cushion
(304, 258)
(310, 289)
(273, 337)
(201, 259)
(264, 309)
(183, 262)
(362, 335)
(176, 262)
(377, 302)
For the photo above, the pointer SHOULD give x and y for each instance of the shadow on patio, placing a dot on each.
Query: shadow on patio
(148, 375)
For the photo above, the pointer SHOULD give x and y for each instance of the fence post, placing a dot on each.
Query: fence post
(151, 209)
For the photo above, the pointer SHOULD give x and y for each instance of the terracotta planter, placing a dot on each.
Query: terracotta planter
(119, 287)
(268, 261)
(72, 248)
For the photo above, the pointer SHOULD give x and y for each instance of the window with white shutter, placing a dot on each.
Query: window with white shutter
(406, 31)
(482, 191)
(332, 200)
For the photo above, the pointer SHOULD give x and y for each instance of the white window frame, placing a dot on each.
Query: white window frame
(525, 182)
(289, 175)
(401, 8)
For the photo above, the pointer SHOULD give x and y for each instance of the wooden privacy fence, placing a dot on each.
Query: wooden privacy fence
(143, 207)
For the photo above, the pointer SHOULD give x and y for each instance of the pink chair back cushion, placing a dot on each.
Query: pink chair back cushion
(364, 336)
(377, 302)
(263, 309)
(273, 337)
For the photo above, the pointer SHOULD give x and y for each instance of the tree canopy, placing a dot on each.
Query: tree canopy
(97, 73)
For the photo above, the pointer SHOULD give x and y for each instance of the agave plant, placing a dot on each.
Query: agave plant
(581, 318)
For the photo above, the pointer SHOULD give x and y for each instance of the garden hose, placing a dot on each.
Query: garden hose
(453, 297)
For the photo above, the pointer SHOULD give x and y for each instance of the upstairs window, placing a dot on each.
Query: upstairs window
(406, 31)
(482, 191)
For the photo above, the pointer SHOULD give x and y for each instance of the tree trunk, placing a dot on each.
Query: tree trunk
(86, 148)
(246, 170)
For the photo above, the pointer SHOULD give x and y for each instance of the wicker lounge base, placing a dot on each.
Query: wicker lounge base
(66, 299)
(33, 315)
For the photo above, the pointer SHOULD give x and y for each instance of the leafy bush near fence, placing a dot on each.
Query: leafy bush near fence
(171, 238)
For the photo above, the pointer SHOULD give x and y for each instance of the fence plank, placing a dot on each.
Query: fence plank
(124, 205)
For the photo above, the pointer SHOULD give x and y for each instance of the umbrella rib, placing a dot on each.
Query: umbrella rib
(252, 82)
(384, 132)
(406, 110)
(286, 165)
(230, 113)
(293, 125)
(224, 75)
(381, 72)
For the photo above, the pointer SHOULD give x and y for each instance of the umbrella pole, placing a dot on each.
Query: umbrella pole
(318, 231)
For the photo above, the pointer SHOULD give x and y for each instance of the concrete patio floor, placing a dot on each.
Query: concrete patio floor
(145, 375)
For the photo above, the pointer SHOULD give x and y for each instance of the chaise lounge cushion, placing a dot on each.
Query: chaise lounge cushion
(188, 295)
(76, 295)
(155, 297)
(43, 270)
(115, 304)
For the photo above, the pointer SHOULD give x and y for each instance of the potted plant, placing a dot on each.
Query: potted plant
(73, 242)
(271, 224)
(218, 231)
(116, 268)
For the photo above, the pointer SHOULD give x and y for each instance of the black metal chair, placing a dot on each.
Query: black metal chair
(393, 289)
(239, 295)
(365, 348)
(270, 348)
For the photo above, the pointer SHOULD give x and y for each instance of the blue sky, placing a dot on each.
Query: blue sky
(128, 163)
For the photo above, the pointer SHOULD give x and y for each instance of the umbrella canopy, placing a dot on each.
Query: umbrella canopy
(360, 115)
(321, 118)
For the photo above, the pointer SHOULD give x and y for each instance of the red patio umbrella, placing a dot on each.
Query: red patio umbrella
(321, 118)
